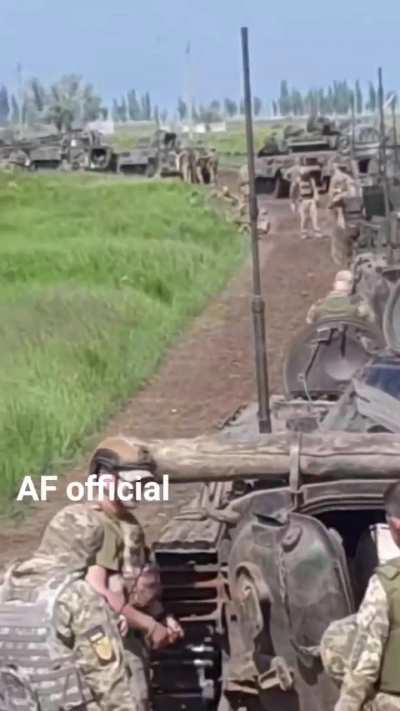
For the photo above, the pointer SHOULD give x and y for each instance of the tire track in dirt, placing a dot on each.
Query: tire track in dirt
(209, 372)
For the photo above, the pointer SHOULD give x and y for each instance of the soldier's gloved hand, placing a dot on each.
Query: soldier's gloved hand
(159, 636)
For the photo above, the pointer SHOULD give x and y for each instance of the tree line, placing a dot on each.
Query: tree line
(63, 103)
(338, 98)
(71, 100)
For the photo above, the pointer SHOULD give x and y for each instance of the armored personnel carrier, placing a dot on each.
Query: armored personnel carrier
(141, 160)
(312, 147)
(157, 155)
(289, 526)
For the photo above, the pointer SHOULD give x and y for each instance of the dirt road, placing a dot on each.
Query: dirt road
(209, 372)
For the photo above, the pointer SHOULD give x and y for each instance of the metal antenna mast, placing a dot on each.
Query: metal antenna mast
(258, 304)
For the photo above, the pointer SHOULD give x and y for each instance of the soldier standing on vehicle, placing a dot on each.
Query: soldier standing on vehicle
(363, 650)
(341, 302)
(122, 572)
(74, 656)
(304, 196)
(342, 186)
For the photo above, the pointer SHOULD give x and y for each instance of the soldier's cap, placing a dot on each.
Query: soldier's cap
(127, 459)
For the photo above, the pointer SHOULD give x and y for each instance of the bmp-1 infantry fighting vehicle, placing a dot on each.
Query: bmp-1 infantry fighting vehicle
(287, 529)
(156, 155)
(313, 147)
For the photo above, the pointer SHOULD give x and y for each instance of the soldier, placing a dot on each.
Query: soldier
(341, 302)
(363, 650)
(244, 191)
(263, 218)
(123, 561)
(213, 164)
(304, 194)
(342, 186)
(79, 660)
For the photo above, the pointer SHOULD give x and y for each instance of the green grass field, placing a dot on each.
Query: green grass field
(97, 277)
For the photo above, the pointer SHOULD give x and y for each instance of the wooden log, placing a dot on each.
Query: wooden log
(332, 455)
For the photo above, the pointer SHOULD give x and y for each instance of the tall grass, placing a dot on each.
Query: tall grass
(96, 279)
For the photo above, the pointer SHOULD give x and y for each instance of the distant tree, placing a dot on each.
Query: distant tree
(257, 105)
(241, 107)
(146, 107)
(164, 115)
(215, 106)
(359, 98)
(115, 111)
(372, 99)
(14, 110)
(123, 110)
(70, 100)
(182, 109)
(275, 108)
(230, 107)
(156, 115)
(38, 95)
(284, 99)
(134, 108)
(4, 105)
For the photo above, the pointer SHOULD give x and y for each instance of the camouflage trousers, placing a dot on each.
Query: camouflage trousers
(137, 658)
(336, 647)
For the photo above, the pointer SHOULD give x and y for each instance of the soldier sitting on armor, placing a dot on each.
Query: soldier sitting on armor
(341, 302)
(362, 651)
(70, 654)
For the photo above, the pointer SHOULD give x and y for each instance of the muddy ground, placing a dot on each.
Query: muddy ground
(209, 372)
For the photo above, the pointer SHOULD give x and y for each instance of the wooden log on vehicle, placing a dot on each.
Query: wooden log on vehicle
(270, 457)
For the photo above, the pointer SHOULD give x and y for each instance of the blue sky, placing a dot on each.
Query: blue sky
(122, 44)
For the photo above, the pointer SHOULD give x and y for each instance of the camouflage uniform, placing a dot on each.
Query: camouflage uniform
(303, 191)
(339, 305)
(352, 651)
(342, 186)
(85, 626)
(124, 552)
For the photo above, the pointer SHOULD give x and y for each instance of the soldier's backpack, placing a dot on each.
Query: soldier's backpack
(36, 672)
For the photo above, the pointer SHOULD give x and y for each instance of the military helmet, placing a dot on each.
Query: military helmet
(120, 456)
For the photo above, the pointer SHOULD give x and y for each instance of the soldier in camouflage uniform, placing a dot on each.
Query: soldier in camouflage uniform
(122, 572)
(362, 652)
(342, 186)
(84, 632)
(341, 302)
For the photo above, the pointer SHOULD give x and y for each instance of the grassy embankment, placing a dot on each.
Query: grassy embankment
(96, 279)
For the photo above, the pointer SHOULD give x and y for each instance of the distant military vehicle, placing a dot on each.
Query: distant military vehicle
(312, 147)
(288, 527)
(151, 156)
(141, 160)
(44, 157)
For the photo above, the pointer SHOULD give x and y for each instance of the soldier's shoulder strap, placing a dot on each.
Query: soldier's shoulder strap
(389, 571)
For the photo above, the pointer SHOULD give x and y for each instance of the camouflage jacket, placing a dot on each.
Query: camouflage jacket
(365, 660)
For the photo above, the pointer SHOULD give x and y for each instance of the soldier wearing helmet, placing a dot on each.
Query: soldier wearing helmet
(304, 196)
(341, 302)
(71, 654)
(123, 572)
